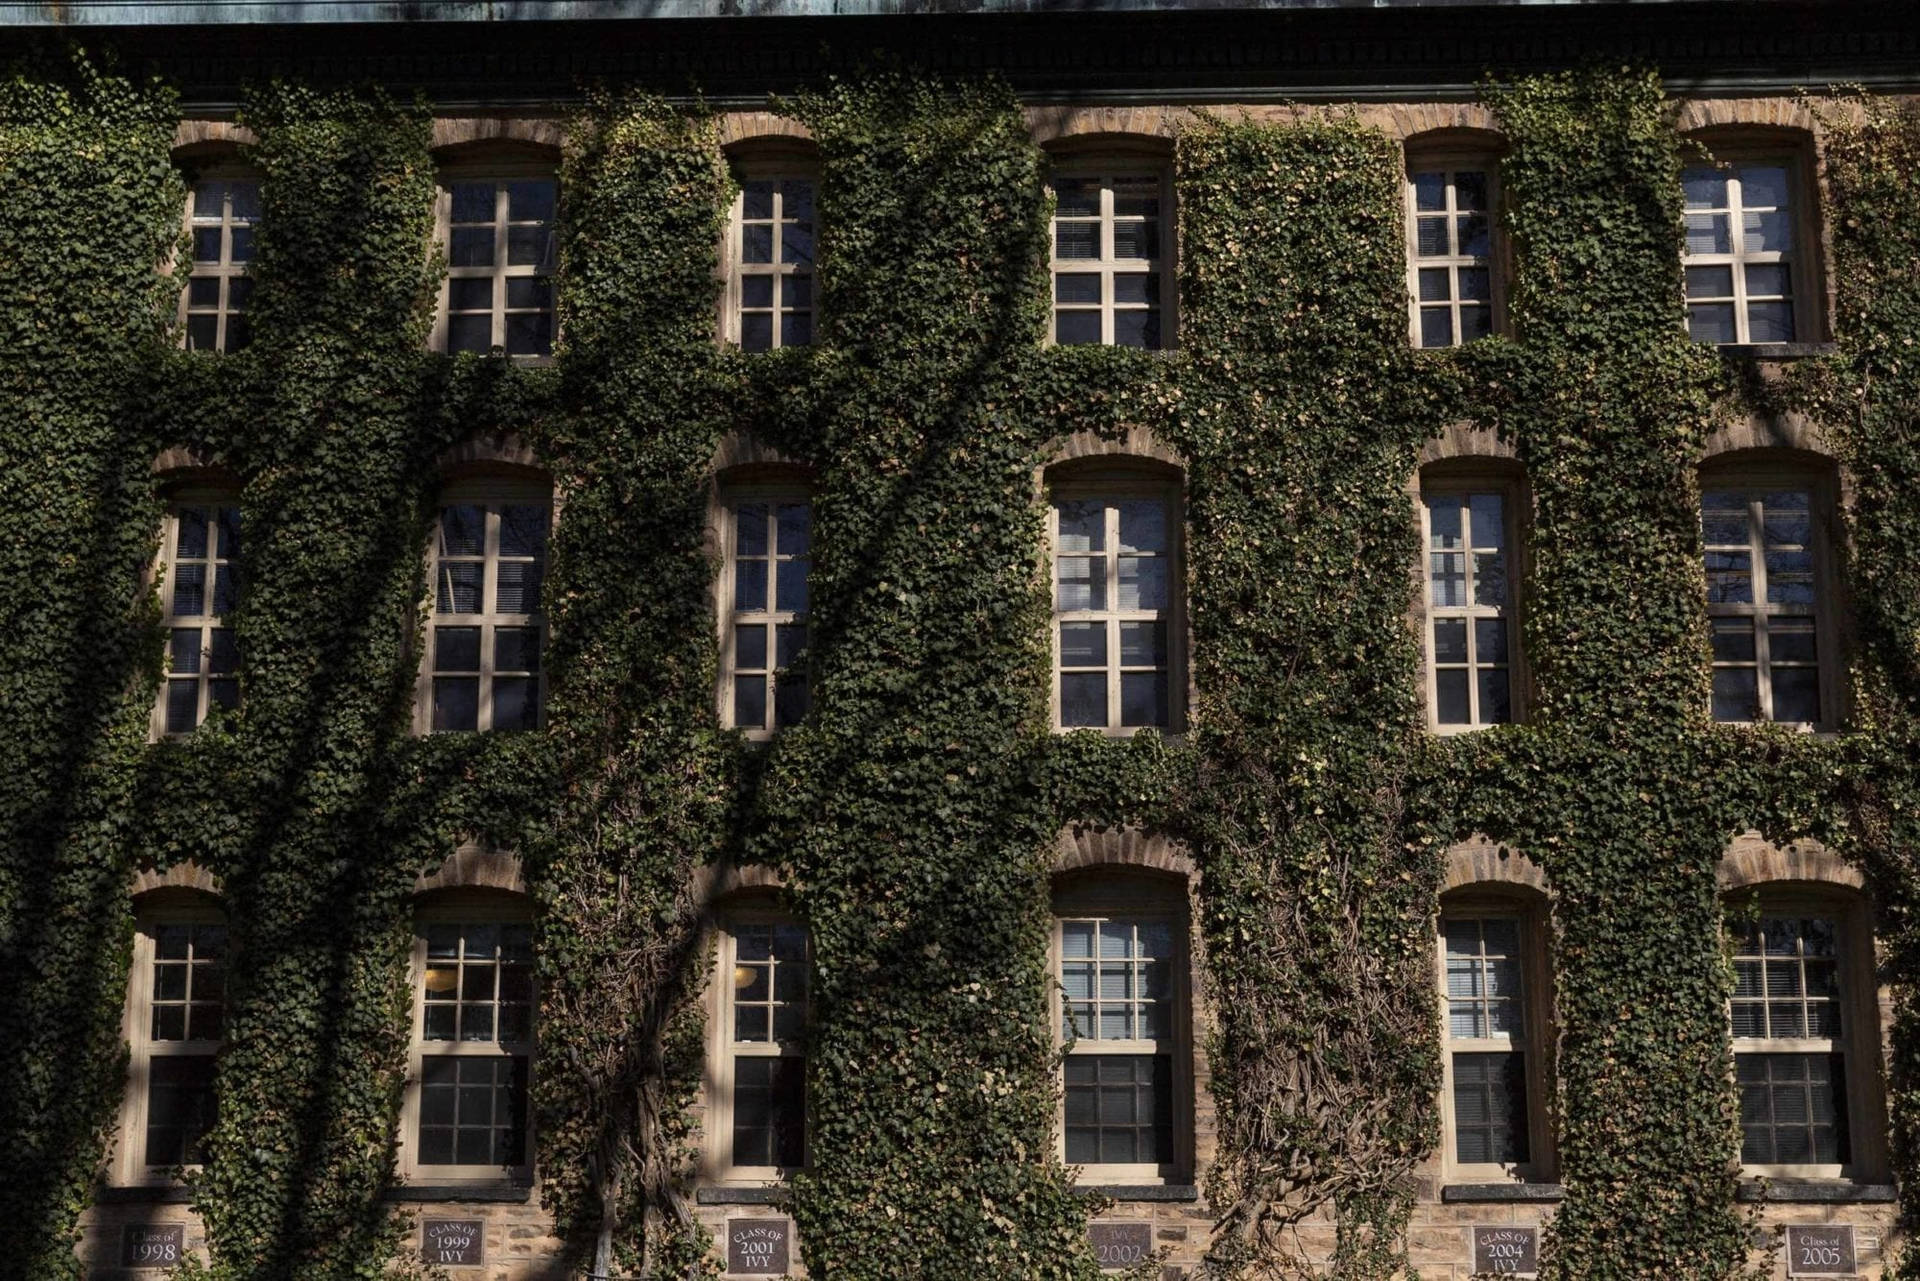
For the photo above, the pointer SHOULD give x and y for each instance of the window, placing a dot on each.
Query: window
(1766, 599)
(175, 1023)
(484, 650)
(200, 582)
(220, 222)
(1801, 1053)
(763, 651)
(1113, 280)
(1121, 954)
(472, 1045)
(1451, 250)
(770, 288)
(1471, 637)
(1745, 280)
(761, 1097)
(501, 257)
(1116, 625)
(1496, 1077)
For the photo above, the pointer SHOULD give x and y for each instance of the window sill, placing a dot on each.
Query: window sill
(1776, 350)
(1139, 1191)
(1484, 1193)
(1814, 1192)
(774, 1195)
(143, 1194)
(504, 1191)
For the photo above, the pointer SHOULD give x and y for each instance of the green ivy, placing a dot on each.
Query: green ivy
(914, 814)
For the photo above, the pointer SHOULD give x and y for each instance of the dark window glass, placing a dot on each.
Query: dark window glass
(473, 1110)
(1119, 1109)
(1490, 1108)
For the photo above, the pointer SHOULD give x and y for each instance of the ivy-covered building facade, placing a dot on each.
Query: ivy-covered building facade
(855, 642)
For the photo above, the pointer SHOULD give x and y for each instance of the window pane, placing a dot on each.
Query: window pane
(1142, 645)
(1733, 640)
(456, 702)
(1796, 695)
(1076, 327)
(1143, 698)
(756, 332)
(1708, 234)
(1449, 640)
(1495, 708)
(529, 334)
(1770, 322)
(790, 587)
(750, 702)
(1736, 694)
(1763, 186)
(1709, 282)
(1490, 1117)
(1767, 232)
(1711, 322)
(1083, 699)
(1450, 690)
(1705, 188)
(1140, 329)
(1430, 191)
(1143, 582)
(1083, 644)
(456, 649)
(750, 647)
(516, 702)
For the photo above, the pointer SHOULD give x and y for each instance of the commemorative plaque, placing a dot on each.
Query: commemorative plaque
(147, 1245)
(757, 1247)
(1820, 1250)
(1121, 1245)
(454, 1242)
(1506, 1251)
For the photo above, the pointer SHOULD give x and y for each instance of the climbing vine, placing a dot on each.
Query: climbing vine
(913, 814)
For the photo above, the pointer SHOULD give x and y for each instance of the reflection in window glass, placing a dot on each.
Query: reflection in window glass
(773, 262)
(1113, 610)
(1789, 1051)
(487, 634)
(1469, 609)
(200, 585)
(1453, 256)
(767, 1018)
(765, 656)
(221, 222)
(1108, 261)
(1120, 1022)
(1763, 603)
(1739, 256)
(1487, 1039)
(501, 258)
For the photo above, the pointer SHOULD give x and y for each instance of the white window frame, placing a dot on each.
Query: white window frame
(1534, 1044)
(492, 494)
(1459, 485)
(732, 496)
(1112, 486)
(129, 1163)
(1105, 170)
(462, 908)
(500, 173)
(226, 271)
(1774, 477)
(723, 1051)
(775, 168)
(1451, 162)
(1802, 261)
(1119, 895)
(1859, 1042)
(211, 498)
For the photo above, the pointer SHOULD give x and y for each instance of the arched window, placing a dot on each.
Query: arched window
(1766, 522)
(758, 1114)
(1751, 262)
(496, 214)
(1455, 262)
(1470, 521)
(199, 586)
(769, 254)
(1806, 1040)
(1113, 257)
(1119, 628)
(1495, 980)
(767, 539)
(175, 1023)
(223, 210)
(465, 1116)
(485, 647)
(1120, 956)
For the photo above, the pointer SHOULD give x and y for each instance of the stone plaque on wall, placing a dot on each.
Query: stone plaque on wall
(1506, 1251)
(757, 1247)
(459, 1242)
(1820, 1250)
(147, 1245)
(1121, 1245)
